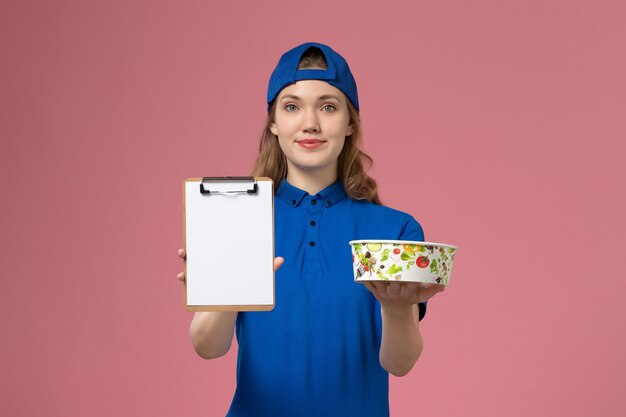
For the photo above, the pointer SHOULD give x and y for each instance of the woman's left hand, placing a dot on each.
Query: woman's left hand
(395, 295)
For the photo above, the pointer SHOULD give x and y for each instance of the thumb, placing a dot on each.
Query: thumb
(278, 261)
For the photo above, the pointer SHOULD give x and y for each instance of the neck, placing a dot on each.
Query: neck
(312, 181)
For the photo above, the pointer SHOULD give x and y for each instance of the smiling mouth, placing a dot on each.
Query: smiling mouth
(311, 143)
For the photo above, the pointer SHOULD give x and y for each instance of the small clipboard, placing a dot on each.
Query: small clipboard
(229, 243)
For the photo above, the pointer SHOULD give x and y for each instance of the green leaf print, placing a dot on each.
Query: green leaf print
(394, 268)
(434, 267)
(406, 256)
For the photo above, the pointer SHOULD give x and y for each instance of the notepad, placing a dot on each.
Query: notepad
(229, 243)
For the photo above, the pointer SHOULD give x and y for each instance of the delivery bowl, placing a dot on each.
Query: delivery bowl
(402, 260)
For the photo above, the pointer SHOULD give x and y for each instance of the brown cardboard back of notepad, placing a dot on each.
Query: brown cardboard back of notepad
(228, 230)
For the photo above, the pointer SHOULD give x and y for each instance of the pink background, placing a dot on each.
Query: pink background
(498, 125)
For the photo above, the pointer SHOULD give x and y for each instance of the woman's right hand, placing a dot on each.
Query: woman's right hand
(278, 261)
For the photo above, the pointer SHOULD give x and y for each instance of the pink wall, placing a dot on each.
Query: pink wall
(498, 125)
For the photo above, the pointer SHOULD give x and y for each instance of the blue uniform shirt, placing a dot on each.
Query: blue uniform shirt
(316, 353)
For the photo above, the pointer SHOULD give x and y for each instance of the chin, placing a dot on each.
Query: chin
(311, 167)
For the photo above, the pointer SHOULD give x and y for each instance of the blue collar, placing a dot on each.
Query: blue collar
(293, 196)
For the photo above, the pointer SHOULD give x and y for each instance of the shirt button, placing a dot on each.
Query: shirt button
(314, 202)
(328, 203)
(312, 222)
(311, 243)
(293, 202)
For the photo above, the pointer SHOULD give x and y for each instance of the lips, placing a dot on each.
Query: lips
(310, 141)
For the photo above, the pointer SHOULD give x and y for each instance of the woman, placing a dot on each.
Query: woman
(329, 344)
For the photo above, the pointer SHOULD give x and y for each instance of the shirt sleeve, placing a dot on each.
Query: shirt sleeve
(412, 230)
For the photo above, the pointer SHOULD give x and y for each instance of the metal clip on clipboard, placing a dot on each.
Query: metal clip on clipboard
(218, 180)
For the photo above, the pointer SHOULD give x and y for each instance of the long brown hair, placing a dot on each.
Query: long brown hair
(352, 165)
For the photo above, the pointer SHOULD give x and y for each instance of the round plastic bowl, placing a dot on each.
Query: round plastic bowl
(402, 260)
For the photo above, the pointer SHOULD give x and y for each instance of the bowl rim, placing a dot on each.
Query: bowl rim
(411, 242)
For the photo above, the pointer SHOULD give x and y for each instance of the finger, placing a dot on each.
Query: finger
(181, 253)
(370, 286)
(430, 291)
(409, 289)
(381, 287)
(278, 261)
(394, 289)
(181, 276)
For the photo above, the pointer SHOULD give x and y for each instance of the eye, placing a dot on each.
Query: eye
(332, 108)
(288, 107)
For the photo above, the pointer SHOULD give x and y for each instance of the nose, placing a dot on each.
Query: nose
(310, 122)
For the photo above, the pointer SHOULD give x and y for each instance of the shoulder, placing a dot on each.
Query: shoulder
(409, 228)
(382, 212)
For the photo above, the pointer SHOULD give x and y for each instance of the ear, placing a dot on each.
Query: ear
(273, 129)
(349, 130)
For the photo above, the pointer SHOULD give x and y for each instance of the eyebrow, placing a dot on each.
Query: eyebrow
(324, 97)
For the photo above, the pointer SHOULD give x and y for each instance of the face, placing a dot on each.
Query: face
(312, 121)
